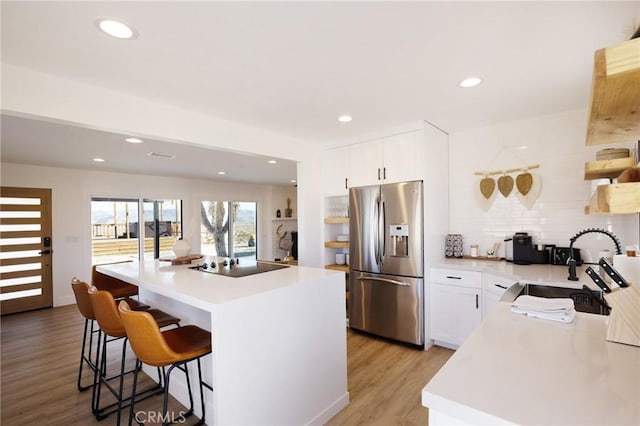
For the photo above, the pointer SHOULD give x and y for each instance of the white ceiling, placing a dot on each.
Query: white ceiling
(294, 67)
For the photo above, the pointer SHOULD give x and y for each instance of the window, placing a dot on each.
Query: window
(229, 228)
(166, 217)
(116, 233)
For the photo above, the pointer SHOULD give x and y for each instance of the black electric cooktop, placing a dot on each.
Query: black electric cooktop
(234, 268)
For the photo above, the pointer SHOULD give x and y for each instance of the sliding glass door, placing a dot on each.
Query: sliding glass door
(117, 234)
(229, 228)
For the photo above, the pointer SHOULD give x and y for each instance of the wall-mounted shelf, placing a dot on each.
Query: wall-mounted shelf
(607, 168)
(284, 218)
(336, 220)
(617, 198)
(614, 94)
(336, 244)
(335, 267)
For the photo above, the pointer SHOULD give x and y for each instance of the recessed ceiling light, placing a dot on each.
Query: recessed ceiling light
(99, 160)
(345, 118)
(272, 161)
(292, 181)
(523, 147)
(470, 82)
(116, 28)
(221, 173)
(134, 140)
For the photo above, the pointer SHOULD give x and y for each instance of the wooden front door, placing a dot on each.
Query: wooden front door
(25, 249)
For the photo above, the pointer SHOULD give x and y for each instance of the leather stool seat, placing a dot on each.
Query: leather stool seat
(169, 348)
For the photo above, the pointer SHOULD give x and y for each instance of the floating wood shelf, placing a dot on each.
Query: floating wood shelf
(336, 244)
(336, 220)
(342, 268)
(617, 198)
(615, 95)
(607, 168)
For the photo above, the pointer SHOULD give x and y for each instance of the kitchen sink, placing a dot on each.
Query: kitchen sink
(583, 300)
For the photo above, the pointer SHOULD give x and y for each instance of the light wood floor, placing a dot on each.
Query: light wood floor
(40, 353)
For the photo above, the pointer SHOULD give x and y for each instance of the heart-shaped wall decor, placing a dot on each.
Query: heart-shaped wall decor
(529, 200)
(505, 185)
(487, 186)
(524, 182)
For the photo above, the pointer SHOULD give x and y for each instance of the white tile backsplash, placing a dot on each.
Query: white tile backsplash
(557, 143)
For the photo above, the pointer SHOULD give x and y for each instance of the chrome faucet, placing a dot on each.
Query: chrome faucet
(572, 261)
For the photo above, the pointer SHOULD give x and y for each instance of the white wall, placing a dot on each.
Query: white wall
(35, 94)
(72, 191)
(32, 93)
(557, 143)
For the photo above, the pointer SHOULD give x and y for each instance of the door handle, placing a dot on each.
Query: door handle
(384, 280)
(43, 252)
(378, 173)
(382, 232)
(504, 287)
(377, 233)
(477, 304)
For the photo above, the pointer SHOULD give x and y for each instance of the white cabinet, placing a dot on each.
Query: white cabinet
(365, 163)
(456, 305)
(403, 157)
(391, 159)
(336, 171)
(493, 288)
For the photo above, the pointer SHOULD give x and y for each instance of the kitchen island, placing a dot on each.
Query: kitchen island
(279, 339)
(519, 370)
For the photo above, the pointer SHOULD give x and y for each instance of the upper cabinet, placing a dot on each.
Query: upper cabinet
(390, 159)
(615, 95)
(336, 171)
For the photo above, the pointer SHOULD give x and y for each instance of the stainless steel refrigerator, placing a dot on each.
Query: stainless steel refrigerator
(386, 272)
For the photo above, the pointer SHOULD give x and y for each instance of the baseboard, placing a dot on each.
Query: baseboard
(333, 409)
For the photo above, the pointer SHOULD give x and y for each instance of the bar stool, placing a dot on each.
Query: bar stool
(115, 286)
(108, 318)
(173, 348)
(81, 293)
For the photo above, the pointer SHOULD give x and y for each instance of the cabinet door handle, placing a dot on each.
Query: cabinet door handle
(477, 303)
(346, 186)
(501, 286)
(384, 173)
(378, 173)
(453, 278)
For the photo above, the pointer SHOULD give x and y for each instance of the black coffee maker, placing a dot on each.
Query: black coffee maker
(294, 244)
(522, 249)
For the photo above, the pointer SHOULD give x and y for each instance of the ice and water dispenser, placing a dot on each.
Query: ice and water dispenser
(399, 240)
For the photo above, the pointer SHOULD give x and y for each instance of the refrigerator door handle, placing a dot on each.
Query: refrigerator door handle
(383, 251)
(376, 242)
(384, 280)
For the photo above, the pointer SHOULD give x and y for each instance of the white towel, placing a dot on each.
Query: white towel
(562, 309)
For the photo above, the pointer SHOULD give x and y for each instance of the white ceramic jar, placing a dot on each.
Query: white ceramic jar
(181, 248)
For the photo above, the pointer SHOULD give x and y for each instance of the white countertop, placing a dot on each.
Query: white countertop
(533, 274)
(206, 290)
(516, 369)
